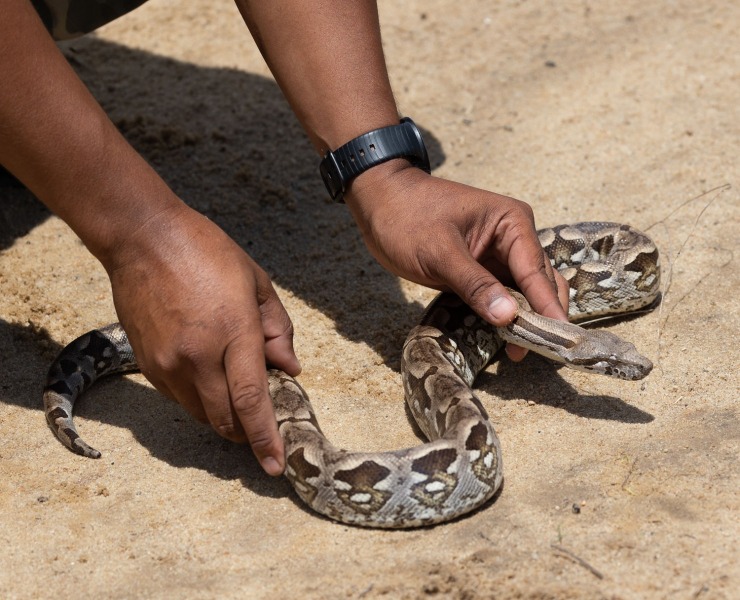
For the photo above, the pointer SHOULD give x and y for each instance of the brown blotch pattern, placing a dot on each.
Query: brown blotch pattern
(362, 494)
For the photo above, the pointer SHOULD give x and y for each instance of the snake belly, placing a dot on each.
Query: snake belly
(610, 269)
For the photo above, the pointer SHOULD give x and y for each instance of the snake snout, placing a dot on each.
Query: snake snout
(630, 367)
(624, 362)
(633, 365)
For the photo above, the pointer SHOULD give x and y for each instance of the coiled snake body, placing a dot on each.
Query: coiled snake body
(610, 268)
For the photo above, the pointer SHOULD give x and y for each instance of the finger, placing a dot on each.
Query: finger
(549, 271)
(557, 282)
(563, 291)
(213, 393)
(529, 268)
(177, 384)
(178, 389)
(560, 285)
(246, 376)
(517, 353)
(187, 396)
(278, 331)
(477, 287)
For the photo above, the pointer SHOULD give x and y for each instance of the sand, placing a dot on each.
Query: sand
(589, 111)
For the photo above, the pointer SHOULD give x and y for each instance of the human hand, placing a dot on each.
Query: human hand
(201, 316)
(450, 236)
(203, 320)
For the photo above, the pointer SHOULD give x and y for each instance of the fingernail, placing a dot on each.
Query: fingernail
(502, 309)
(271, 466)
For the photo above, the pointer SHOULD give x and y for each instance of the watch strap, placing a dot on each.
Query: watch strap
(342, 165)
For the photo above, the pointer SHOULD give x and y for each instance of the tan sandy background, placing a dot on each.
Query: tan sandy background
(588, 110)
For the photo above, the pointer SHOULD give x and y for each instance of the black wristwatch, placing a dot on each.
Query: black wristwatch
(342, 165)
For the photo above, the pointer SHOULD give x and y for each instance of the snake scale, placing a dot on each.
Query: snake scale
(610, 268)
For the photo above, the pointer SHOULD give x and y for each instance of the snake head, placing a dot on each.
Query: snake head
(608, 354)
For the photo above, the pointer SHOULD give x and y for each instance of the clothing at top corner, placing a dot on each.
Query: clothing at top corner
(67, 19)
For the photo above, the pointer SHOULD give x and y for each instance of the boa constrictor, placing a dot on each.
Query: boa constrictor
(610, 268)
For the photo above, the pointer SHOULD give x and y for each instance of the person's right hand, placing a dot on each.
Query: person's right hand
(203, 320)
(201, 316)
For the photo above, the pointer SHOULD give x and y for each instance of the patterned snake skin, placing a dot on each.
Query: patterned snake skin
(611, 268)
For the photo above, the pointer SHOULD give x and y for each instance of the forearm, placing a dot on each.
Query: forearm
(327, 57)
(58, 141)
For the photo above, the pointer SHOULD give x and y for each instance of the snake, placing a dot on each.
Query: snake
(610, 268)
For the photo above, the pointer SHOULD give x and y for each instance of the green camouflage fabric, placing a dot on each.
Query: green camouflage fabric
(67, 19)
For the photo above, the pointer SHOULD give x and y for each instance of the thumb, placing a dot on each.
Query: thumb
(478, 288)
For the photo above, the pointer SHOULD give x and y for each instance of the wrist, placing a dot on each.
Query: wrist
(371, 185)
(365, 152)
(128, 236)
(112, 194)
(156, 240)
(113, 219)
(374, 196)
(340, 131)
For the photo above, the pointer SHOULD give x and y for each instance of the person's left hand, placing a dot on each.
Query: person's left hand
(450, 236)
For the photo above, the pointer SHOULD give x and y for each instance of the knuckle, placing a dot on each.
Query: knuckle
(180, 354)
(477, 285)
(248, 399)
(276, 321)
(288, 331)
(524, 208)
(532, 276)
(164, 361)
(260, 441)
(523, 230)
(230, 431)
(252, 406)
(528, 210)
(265, 291)
(191, 351)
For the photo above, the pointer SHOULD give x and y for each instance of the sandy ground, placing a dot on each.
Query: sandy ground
(590, 111)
